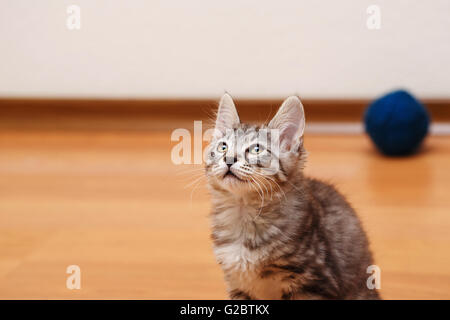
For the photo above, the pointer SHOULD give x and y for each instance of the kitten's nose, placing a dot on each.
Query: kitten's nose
(231, 161)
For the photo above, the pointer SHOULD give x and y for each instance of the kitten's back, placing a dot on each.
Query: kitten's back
(344, 233)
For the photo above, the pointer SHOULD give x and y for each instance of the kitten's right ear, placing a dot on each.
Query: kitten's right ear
(227, 116)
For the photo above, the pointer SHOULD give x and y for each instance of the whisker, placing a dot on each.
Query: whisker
(262, 183)
(189, 170)
(195, 187)
(194, 181)
(262, 198)
(274, 182)
(266, 180)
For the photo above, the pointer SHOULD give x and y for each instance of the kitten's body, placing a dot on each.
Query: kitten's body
(301, 240)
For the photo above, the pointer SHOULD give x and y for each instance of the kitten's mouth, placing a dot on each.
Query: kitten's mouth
(230, 175)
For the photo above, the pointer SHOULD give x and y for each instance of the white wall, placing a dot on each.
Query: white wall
(145, 48)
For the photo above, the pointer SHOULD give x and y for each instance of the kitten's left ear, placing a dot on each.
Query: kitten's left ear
(227, 116)
(290, 121)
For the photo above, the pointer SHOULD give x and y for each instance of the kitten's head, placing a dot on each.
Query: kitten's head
(253, 158)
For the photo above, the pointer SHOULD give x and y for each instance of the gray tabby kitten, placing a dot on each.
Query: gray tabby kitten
(278, 234)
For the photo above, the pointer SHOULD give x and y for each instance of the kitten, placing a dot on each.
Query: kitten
(276, 233)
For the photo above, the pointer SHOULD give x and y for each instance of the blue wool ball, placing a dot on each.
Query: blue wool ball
(397, 123)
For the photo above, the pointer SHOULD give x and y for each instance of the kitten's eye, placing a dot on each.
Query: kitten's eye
(256, 149)
(222, 147)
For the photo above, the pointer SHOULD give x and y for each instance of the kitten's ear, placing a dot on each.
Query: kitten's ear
(290, 121)
(227, 116)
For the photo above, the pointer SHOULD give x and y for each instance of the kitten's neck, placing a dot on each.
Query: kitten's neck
(247, 202)
(254, 207)
(246, 233)
(266, 197)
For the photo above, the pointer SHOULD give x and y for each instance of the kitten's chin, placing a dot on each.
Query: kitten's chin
(232, 182)
(232, 179)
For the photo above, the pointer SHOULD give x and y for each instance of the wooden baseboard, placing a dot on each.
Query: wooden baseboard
(18, 113)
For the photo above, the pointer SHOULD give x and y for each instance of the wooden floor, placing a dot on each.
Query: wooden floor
(114, 204)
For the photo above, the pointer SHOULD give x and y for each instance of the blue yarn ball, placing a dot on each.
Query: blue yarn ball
(397, 123)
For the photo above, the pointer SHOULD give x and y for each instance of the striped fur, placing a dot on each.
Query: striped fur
(283, 236)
